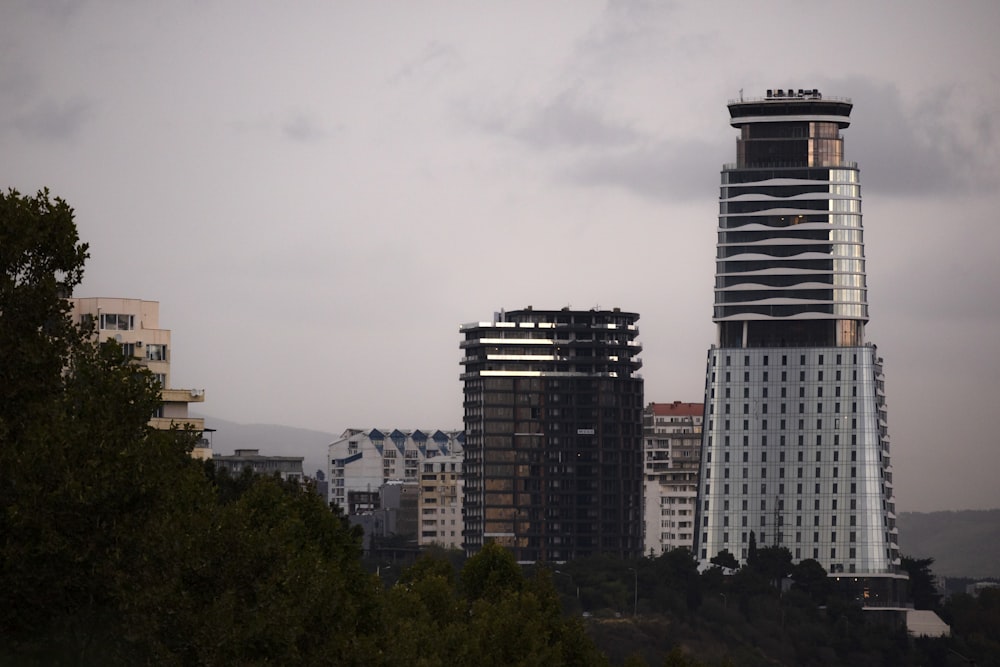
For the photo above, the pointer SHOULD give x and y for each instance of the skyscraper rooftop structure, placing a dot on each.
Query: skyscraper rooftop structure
(553, 434)
(795, 445)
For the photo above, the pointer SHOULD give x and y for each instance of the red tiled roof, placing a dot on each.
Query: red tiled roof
(677, 409)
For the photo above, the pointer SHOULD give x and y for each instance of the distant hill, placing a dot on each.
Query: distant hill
(962, 544)
(272, 440)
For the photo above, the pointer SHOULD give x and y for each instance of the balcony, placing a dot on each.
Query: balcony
(182, 423)
(183, 395)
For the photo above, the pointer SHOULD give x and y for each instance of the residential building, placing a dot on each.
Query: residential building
(390, 520)
(795, 447)
(553, 425)
(401, 500)
(135, 325)
(440, 507)
(363, 460)
(671, 456)
(286, 467)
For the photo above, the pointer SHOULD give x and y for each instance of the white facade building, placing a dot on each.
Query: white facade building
(364, 459)
(796, 448)
(671, 456)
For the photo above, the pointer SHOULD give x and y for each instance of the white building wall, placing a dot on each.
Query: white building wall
(359, 462)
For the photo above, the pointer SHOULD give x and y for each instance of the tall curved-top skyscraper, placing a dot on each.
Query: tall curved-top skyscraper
(795, 450)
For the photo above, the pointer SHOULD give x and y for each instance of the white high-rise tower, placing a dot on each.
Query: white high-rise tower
(795, 447)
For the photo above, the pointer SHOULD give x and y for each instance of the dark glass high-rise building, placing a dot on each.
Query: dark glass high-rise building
(795, 446)
(553, 434)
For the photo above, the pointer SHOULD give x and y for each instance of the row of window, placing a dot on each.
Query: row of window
(784, 360)
(154, 352)
(781, 456)
(766, 377)
(781, 438)
(835, 489)
(852, 537)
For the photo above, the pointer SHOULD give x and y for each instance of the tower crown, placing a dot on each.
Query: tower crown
(790, 263)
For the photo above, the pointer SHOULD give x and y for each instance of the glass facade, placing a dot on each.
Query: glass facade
(553, 428)
(795, 447)
(796, 450)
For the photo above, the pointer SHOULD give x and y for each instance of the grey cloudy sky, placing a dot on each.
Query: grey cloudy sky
(319, 193)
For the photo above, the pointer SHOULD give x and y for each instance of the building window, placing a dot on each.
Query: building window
(156, 352)
(116, 322)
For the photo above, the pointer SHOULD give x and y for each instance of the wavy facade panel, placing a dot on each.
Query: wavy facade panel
(795, 449)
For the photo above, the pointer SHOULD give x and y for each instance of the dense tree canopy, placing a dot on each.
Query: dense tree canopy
(117, 548)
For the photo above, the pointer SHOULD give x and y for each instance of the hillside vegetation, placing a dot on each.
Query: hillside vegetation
(963, 544)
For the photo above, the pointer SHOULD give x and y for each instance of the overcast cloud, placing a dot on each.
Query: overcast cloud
(318, 193)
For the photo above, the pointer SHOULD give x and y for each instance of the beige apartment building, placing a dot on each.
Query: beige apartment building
(440, 505)
(671, 457)
(135, 325)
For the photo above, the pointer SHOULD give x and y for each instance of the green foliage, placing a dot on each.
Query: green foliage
(495, 616)
(773, 563)
(975, 628)
(115, 546)
(812, 579)
(491, 573)
(677, 658)
(725, 559)
(41, 261)
(923, 583)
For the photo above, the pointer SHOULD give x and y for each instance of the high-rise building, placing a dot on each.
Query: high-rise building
(135, 325)
(795, 446)
(553, 434)
(671, 456)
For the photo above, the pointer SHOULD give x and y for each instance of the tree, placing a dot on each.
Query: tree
(677, 570)
(752, 550)
(495, 616)
(774, 563)
(41, 261)
(491, 573)
(923, 583)
(725, 559)
(812, 579)
(115, 546)
(82, 481)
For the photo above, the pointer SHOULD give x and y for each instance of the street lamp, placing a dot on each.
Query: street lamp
(571, 581)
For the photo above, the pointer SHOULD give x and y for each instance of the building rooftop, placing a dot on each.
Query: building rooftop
(677, 409)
